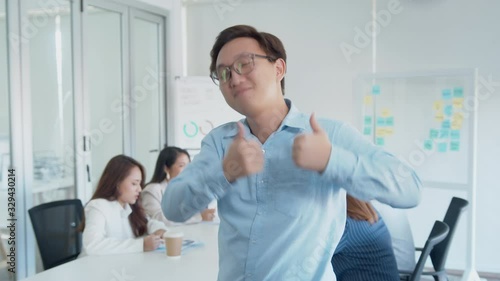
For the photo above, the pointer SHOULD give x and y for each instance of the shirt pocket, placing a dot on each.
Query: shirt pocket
(293, 192)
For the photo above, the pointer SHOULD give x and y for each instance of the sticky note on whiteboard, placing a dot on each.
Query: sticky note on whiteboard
(458, 103)
(368, 100)
(455, 145)
(448, 110)
(433, 134)
(367, 131)
(442, 147)
(428, 144)
(386, 112)
(438, 105)
(458, 92)
(446, 94)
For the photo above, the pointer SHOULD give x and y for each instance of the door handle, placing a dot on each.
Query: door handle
(88, 173)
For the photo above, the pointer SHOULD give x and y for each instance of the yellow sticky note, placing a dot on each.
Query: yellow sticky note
(368, 100)
(389, 131)
(439, 116)
(456, 125)
(458, 102)
(438, 105)
(457, 116)
(380, 132)
(386, 112)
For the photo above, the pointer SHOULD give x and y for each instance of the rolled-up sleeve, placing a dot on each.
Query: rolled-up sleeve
(368, 172)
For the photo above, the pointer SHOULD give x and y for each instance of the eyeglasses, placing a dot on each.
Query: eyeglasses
(243, 65)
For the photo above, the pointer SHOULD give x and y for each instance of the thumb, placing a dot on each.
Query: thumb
(315, 125)
(241, 131)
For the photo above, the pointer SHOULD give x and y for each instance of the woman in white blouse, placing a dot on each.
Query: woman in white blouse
(171, 161)
(115, 222)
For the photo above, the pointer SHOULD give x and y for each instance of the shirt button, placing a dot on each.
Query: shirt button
(264, 151)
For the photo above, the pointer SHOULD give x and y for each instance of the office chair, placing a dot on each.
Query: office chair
(440, 252)
(56, 229)
(439, 232)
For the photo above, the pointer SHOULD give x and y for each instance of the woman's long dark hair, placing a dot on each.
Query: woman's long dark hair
(167, 158)
(117, 169)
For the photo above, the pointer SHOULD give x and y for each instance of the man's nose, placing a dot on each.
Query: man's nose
(235, 78)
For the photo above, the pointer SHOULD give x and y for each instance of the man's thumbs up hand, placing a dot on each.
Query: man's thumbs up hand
(312, 151)
(243, 157)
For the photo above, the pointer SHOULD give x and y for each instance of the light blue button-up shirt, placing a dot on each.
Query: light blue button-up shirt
(285, 222)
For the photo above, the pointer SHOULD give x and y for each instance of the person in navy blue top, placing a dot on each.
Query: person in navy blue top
(364, 252)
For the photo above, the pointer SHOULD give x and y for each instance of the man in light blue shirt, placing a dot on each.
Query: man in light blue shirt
(280, 176)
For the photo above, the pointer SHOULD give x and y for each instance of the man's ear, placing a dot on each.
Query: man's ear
(280, 66)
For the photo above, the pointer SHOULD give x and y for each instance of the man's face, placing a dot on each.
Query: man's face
(256, 91)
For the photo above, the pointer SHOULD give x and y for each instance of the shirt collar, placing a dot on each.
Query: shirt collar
(293, 119)
(124, 211)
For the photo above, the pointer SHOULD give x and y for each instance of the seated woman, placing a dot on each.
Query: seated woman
(115, 222)
(169, 164)
(364, 252)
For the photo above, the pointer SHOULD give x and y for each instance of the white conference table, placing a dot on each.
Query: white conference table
(199, 263)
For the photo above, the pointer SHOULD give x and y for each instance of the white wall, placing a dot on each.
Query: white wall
(421, 36)
(318, 79)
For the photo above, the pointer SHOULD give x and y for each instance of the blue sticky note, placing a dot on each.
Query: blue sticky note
(455, 134)
(446, 124)
(446, 94)
(380, 121)
(380, 141)
(376, 90)
(458, 92)
(389, 121)
(444, 133)
(442, 147)
(448, 110)
(455, 145)
(433, 134)
(367, 131)
(428, 144)
(368, 120)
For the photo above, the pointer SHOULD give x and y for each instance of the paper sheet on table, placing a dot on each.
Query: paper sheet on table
(187, 244)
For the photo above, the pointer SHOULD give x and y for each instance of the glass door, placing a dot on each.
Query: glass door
(105, 64)
(124, 84)
(147, 86)
(52, 100)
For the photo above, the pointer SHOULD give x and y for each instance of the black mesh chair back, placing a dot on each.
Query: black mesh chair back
(56, 230)
(440, 252)
(438, 234)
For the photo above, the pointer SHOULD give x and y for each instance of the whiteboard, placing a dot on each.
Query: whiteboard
(425, 119)
(199, 106)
